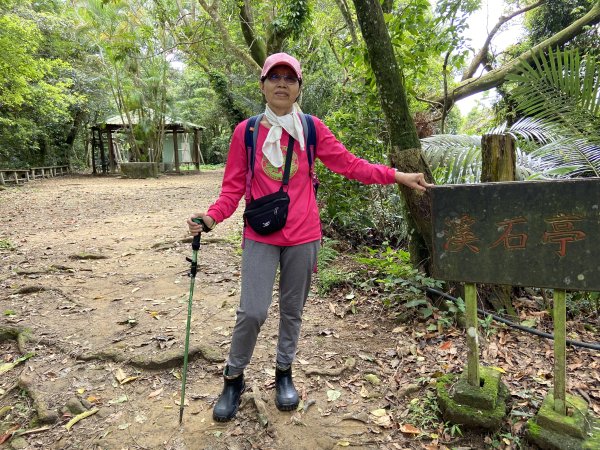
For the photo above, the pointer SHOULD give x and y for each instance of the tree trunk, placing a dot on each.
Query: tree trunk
(498, 161)
(406, 147)
(498, 158)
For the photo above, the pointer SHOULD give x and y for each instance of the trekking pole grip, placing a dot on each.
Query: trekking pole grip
(196, 240)
(205, 229)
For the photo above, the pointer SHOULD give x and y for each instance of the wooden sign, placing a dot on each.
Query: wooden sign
(542, 234)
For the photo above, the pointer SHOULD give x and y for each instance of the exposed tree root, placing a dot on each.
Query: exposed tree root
(348, 364)
(50, 269)
(8, 391)
(39, 288)
(16, 333)
(261, 407)
(86, 256)
(31, 289)
(166, 359)
(45, 415)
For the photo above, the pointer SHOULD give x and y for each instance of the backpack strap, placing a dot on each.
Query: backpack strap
(250, 137)
(310, 136)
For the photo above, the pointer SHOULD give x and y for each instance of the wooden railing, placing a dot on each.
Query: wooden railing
(18, 176)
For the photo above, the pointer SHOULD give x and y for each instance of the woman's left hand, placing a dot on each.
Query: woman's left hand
(412, 180)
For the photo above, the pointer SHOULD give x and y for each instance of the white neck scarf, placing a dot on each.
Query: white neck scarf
(291, 123)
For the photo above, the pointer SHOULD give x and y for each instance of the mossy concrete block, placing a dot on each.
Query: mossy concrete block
(579, 430)
(593, 441)
(548, 439)
(466, 414)
(140, 169)
(574, 423)
(482, 397)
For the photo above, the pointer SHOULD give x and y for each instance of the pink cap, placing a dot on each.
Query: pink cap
(281, 59)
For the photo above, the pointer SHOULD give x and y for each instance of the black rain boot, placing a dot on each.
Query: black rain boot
(286, 396)
(229, 400)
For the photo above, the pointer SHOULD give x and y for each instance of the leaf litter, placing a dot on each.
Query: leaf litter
(405, 358)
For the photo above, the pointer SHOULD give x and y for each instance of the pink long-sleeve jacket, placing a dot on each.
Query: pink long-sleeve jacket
(303, 223)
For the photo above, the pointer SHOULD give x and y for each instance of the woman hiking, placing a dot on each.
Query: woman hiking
(286, 182)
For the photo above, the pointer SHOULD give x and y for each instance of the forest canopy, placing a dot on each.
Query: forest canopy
(68, 65)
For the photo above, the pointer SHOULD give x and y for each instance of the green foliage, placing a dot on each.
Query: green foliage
(290, 18)
(555, 15)
(562, 89)
(37, 95)
(428, 42)
(350, 209)
(581, 303)
(131, 41)
(331, 275)
(486, 325)
(424, 413)
(391, 269)
(220, 85)
(5, 244)
(457, 158)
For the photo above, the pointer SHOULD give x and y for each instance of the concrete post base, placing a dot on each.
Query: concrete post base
(578, 430)
(481, 406)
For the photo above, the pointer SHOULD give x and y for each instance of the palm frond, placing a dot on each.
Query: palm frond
(570, 158)
(559, 93)
(561, 88)
(530, 129)
(453, 158)
(456, 159)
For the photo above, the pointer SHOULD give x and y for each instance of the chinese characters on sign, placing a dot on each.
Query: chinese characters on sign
(460, 234)
(563, 231)
(543, 234)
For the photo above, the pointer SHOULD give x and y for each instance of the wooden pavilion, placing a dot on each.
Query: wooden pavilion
(177, 137)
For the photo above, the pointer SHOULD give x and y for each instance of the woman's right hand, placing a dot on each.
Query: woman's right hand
(196, 228)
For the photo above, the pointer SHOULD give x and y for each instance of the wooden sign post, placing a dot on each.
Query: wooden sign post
(542, 234)
(472, 335)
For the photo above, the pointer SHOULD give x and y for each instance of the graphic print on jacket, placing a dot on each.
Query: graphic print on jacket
(276, 173)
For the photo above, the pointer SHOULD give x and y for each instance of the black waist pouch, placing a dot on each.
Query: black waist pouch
(268, 214)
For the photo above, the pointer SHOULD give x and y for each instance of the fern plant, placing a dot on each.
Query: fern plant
(559, 95)
(562, 89)
(456, 159)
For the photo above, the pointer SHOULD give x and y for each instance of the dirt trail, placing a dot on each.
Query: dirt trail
(108, 333)
(131, 306)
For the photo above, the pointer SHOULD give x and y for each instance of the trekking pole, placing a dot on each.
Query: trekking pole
(193, 270)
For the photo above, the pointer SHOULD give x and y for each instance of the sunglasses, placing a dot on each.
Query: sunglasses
(288, 79)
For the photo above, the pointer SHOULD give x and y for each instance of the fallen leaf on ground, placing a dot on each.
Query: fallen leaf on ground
(8, 366)
(120, 375)
(155, 393)
(446, 345)
(409, 429)
(333, 395)
(128, 379)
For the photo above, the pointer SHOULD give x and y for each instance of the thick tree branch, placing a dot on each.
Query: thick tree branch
(257, 47)
(481, 56)
(213, 12)
(346, 14)
(496, 77)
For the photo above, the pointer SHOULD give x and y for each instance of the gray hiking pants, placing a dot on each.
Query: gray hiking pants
(259, 267)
